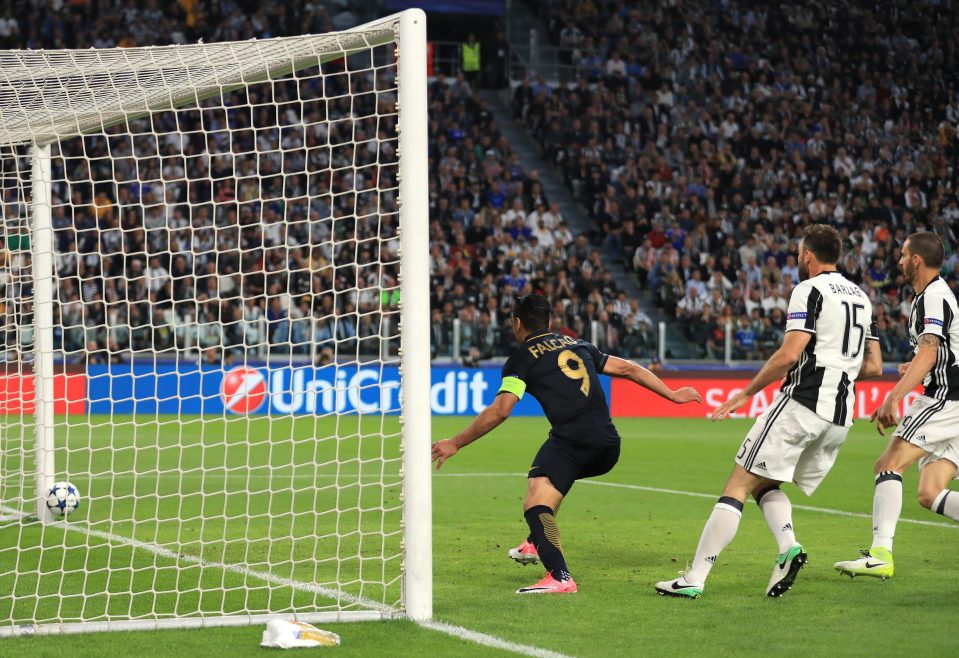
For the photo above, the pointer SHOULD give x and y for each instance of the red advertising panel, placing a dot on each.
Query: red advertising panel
(17, 394)
(631, 401)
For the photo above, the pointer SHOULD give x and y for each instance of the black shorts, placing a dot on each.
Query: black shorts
(564, 463)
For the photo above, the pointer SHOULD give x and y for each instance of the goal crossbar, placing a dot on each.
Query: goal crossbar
(49, 94)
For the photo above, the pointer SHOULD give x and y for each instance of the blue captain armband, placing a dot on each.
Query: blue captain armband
(513, 385)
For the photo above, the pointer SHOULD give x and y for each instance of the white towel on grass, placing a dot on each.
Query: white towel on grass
(281, 634)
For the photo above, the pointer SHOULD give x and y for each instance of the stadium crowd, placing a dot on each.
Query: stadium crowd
(495, 235)
(231, 231)
(702, 137)
(253, 224)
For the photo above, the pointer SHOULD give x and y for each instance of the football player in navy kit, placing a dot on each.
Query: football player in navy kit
(562, 373)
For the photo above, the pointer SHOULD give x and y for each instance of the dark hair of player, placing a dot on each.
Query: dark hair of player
(824, 243)
(928, 246)
(533, 311)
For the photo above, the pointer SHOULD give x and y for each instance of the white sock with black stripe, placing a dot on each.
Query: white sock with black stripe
(886, 508)
(947, 504)
(718, 532)
(779, 517)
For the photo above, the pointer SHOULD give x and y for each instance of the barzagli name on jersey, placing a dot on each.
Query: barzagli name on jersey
(838, 288)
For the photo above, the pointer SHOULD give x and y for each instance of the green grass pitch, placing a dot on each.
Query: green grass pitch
(619, 542)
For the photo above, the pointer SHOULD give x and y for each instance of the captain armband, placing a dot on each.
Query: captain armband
(513, 385)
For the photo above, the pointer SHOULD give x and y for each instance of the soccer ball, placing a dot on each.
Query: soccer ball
(63, 498)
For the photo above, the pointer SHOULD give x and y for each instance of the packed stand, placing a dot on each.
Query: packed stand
(703, 137)
(253, 225)
(201, 239)
(495, 236)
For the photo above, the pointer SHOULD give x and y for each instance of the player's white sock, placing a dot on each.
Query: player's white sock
(886, 507)
(779, 517)
(947, 504)
(718, 532)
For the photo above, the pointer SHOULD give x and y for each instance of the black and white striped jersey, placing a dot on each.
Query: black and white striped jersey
(934, 311)
(839, 316)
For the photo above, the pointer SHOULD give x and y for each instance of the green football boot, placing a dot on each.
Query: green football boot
(785, 570)
(876, 562)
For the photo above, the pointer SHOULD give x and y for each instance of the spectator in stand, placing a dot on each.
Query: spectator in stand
(746, 345)
(775, 299)
(877, 277)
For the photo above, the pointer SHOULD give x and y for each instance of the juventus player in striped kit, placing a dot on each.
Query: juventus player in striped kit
(929, 434)
(829, 343)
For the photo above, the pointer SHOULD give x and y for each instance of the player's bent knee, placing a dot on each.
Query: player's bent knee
(737, 490)
(898, 456)
(927, 498)
(541, 484)
(542, 492)
(889, 462)
(741, 484)
(763, 489)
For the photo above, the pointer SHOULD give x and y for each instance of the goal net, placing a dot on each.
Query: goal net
(204, 253)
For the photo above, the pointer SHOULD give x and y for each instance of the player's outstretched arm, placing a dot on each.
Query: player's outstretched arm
(871, 361)
(794, 342)
(887, 414)
(489, 419)
(616, 367)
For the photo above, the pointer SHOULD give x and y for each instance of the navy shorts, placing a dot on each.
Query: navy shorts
(564, 462)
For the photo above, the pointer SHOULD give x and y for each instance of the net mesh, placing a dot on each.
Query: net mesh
(225, 243)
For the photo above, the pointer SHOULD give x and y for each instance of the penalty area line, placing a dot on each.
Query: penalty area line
(458, 632)
(696, 494)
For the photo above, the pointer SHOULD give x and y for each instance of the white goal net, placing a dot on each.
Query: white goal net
(204, 253)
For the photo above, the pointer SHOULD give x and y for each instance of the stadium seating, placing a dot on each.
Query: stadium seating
(698, 160)
(494, 233)
(729, 127)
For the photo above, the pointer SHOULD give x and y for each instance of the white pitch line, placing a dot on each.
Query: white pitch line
(458, 632)
(602, 483)
(165, 552)
(490, 640)
(696, 494)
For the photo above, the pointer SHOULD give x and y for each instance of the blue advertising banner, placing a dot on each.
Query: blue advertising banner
(248, 389)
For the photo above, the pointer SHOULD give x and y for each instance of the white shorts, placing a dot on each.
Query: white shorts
(791, 443)
(932, 425)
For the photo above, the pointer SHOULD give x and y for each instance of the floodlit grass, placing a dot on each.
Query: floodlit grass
(305, 499)
(619, 542)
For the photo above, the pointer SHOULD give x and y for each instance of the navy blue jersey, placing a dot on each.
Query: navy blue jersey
(562, 373)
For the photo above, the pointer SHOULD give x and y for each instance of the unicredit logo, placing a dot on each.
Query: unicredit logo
(243, 390)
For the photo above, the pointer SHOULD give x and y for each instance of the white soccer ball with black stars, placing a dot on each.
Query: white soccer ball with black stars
(63, 499)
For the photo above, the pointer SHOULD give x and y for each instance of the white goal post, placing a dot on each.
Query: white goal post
(214, 322)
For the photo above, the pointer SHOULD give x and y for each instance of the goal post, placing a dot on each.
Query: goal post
(41, 245)
(415, 313)
(214, 322)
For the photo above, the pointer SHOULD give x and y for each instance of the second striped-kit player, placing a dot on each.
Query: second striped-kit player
(929, 433)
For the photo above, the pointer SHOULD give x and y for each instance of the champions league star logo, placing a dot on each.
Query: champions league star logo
(243, 390)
